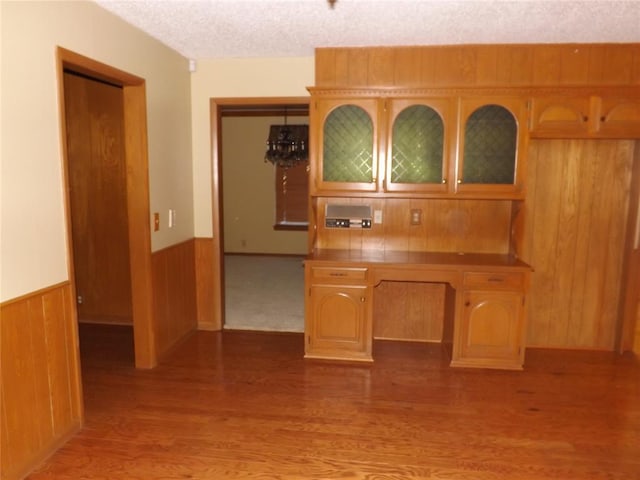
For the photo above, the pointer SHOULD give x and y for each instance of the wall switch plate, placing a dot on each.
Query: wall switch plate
(377, 216)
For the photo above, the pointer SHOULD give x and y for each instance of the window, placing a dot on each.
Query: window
(292, 197)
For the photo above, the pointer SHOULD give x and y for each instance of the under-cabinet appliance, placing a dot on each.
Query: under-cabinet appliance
(347, 216)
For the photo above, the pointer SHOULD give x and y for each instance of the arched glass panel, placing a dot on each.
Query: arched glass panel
(348, 146)
(490, 141)
(417, 147)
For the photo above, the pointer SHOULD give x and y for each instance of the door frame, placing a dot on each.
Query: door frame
(236, 106)
(137, 186)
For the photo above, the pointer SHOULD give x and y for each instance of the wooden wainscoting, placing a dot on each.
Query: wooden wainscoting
(205, 285)
(41, 387)
(174, 294)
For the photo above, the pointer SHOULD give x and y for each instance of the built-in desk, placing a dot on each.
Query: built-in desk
(484, 318)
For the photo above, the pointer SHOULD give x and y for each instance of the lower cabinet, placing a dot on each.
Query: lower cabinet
(487, 314)
(490, 329)
(338, 319)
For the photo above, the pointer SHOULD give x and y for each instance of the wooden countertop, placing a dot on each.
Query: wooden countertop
(441, 260)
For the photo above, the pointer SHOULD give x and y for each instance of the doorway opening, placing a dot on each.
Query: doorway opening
(135, 190)
(236, 114)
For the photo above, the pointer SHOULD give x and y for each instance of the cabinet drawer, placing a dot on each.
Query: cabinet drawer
(494, 280)
(335, 274)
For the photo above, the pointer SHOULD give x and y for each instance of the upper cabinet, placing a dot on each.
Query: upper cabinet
(419, 144)
(617, 117)
(344, 144)
(429, 146)
(492, 143)
(585, 116)
(558, 116)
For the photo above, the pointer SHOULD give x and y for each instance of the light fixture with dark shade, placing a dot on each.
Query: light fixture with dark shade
(287, 145)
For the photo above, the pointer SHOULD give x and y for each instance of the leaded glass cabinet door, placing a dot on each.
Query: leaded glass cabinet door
(492, 147)
(418, 145)
(346, 145)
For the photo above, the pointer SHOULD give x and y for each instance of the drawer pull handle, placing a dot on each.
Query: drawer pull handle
(337, 274)
(496, 279)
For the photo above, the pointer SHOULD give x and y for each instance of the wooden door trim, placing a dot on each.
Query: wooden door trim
(239, 106)
(138, 209)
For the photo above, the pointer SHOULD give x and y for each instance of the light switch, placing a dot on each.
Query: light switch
(377, 216)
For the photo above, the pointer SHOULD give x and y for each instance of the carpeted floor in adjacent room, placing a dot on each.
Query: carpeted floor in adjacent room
(264, 292)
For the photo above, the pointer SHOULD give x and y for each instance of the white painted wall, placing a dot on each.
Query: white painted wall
(235, 78)
(33, 251)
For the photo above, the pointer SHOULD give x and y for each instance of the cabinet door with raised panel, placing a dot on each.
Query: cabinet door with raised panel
(419, 137)
(560, 117)
(491, 330)
(492, 143)
(344, 144)
(617, 117)
(338, 323)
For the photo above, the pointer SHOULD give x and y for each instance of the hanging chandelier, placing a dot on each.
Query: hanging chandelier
(287, 145)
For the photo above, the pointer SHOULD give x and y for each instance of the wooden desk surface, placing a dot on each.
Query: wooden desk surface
(439, 260)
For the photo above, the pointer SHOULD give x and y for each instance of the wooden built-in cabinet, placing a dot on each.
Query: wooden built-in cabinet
(491, 327)
(576, 115)
(344, 144)
(493, 156)
(338, 313)
(420, 145)
(492, 148)
(440, 145)
(483, 323)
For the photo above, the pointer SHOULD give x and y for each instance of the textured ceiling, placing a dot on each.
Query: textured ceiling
(201, 29)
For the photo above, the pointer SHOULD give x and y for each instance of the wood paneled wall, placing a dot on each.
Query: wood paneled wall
(574, 235)
(174, 294)
(480, 226)
(97, 176)
(479, 65)
(409, 311)
(206, 285)
(40, 389)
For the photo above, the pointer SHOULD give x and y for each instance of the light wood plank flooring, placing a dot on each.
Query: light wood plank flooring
(245, 405)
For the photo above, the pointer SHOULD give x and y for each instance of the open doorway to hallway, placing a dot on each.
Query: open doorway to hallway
(262, 273)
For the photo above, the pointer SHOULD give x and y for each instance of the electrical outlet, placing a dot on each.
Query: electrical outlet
(377, 216)
(416, 216)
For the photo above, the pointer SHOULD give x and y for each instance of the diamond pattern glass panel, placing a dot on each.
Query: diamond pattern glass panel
(348, 146)
(417, 148)
(490, 146)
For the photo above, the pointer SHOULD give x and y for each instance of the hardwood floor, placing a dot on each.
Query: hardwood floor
(237, 405)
